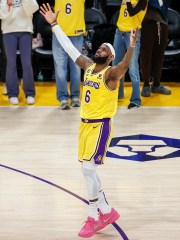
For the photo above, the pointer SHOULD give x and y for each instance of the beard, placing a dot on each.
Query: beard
(99, 60)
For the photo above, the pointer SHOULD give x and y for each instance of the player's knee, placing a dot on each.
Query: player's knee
(88, 169)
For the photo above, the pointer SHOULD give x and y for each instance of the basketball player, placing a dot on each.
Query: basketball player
(98, 106)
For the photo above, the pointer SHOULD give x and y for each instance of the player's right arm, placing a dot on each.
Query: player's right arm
(81, 60)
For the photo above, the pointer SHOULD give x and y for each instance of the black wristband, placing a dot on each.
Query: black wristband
(53, 24)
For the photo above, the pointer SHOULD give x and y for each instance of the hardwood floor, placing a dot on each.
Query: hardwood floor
(42, 191)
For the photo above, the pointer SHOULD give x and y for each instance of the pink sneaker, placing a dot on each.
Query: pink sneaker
(108, 218)
(89, 228)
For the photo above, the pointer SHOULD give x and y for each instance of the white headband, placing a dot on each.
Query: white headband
(111, 48)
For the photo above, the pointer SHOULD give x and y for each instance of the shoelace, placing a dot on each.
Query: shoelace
(88, 223)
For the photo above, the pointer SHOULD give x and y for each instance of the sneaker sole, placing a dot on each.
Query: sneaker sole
(14, 103)
(66, 108)
(87, 236)
(162, 93)
(133, 108)
(145, 95)
(31, 103)
(120, 99)
(75, 105)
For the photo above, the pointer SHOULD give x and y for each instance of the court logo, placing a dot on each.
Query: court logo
(144, 148)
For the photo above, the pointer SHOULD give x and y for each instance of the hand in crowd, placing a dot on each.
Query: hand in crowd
(133, 37)
(47, 12)
(9, 2)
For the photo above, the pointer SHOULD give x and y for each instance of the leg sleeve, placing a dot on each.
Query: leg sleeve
(92, 181)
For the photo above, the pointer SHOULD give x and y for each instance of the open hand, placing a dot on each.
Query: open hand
(47, 12)
(9, 2)
(133, 37)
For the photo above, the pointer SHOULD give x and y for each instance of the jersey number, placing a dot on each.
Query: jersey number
(125, 13)
(68, 8)
(87, 96)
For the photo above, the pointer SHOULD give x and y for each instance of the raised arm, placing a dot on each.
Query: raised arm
(81, 60)
(5, 7)
(120, 69)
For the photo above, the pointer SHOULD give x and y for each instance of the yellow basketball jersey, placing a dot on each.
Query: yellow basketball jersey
(98, 101)
(71, 16)
(125, 23)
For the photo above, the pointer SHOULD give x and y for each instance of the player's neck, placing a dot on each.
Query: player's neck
(99, 67)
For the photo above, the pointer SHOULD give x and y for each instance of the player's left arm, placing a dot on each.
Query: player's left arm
(115, 73)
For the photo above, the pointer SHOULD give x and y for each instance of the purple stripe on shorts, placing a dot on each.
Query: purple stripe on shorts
(102, 146)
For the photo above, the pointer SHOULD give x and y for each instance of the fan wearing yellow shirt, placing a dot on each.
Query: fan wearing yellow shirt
(98, 106)
(131, 15)
(72, 23)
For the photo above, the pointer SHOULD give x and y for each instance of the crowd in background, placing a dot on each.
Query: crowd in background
(153, 15)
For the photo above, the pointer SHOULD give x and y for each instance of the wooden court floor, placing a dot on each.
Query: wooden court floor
(42, 191)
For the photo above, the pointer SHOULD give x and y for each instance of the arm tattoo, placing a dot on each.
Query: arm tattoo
(121, 68)
(127, 59)
(84, 61)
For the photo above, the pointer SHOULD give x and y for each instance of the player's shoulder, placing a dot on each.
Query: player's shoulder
(108, 74)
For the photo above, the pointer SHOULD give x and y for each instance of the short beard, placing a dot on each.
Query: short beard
(99, 60)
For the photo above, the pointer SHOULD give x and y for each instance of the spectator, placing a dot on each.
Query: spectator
(17, 31)
(131, 15)
(40, 2)
(37, 40)
(151, 58)
(2, 63)
(72, 23)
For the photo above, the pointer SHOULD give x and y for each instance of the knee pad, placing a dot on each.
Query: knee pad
(90, 175)
(88, 169)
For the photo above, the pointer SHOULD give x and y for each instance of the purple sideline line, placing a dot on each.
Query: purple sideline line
(120, 231)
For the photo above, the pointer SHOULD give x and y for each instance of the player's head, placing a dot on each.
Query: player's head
(104, 54)
(111, 49)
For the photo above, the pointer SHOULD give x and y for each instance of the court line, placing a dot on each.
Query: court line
(116, 226)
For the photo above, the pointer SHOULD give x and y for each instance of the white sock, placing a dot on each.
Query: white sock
(103, 204)
(93, 206)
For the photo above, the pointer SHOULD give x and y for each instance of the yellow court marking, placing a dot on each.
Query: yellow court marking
(46, 96)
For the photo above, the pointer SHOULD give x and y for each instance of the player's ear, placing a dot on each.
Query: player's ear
(111, 57)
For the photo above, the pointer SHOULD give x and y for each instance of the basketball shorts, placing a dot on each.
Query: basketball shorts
(94, 139)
